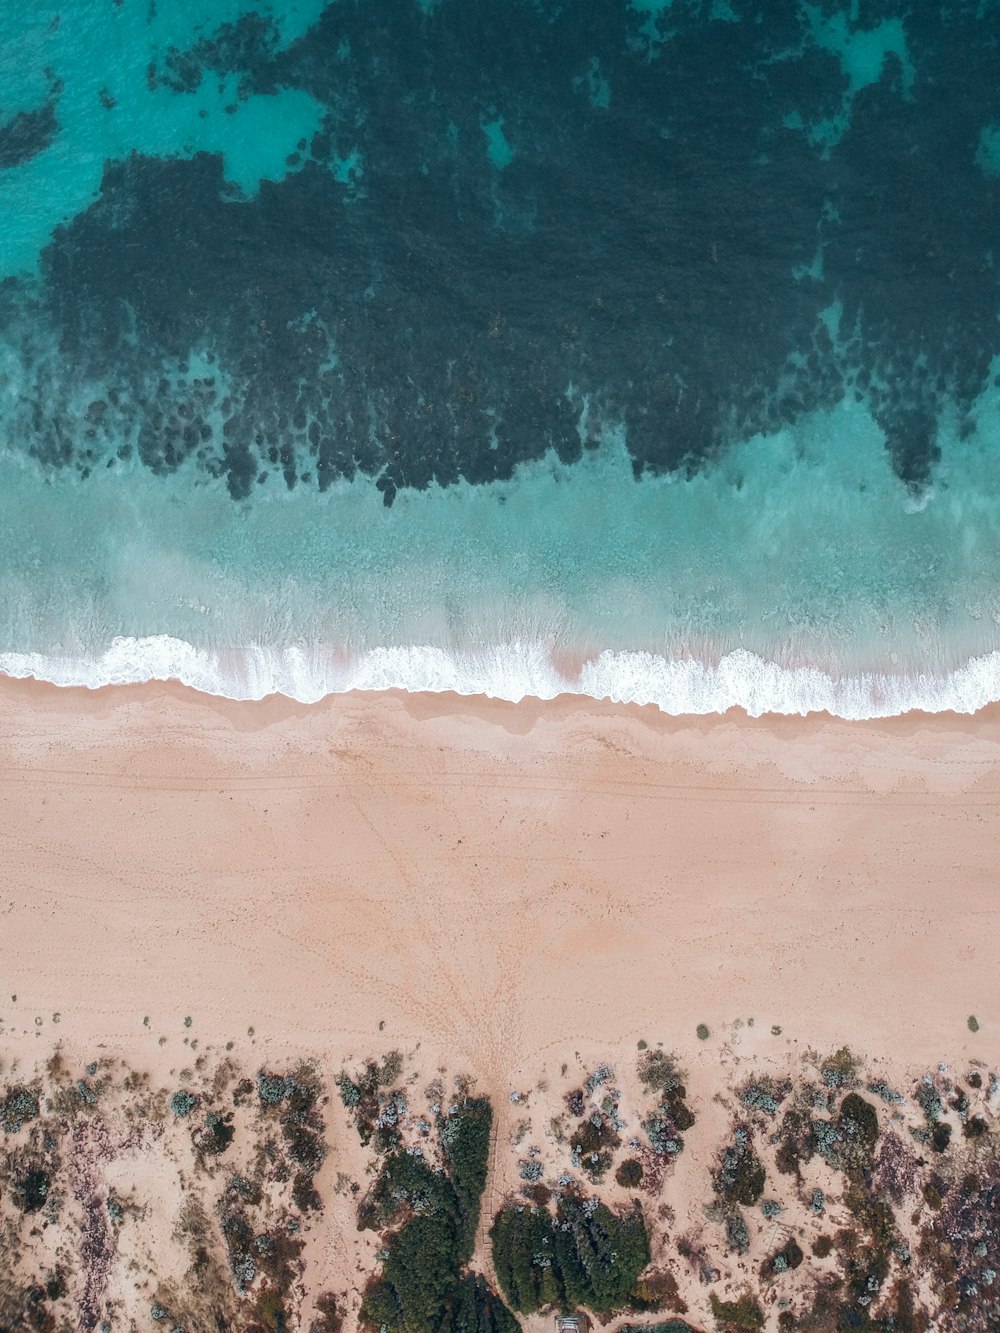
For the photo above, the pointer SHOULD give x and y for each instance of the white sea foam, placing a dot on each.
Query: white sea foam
(516, 671)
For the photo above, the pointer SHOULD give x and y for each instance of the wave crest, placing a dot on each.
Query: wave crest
(514, 671)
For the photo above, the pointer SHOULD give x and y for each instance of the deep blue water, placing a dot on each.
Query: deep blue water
(437, 343)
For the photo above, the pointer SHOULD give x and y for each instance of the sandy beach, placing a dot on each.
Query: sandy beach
(510, 893)
(493, 879)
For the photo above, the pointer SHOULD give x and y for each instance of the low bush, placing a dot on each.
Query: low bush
(737, 1316)
(629, 1174)
(585, 1256)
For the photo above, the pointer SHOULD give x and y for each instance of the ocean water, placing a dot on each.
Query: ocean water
(640, 348)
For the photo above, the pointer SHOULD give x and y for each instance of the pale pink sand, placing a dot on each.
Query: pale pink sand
(493, 880)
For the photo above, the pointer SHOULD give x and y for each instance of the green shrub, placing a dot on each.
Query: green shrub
(587, 1256)
(740, 1176)
(417, 1277)
(18, 1107)
(671, 1326)
(419, 1289)
(474, 1307)
(973, 1023)
(702, 1031)
(182, 1102)
(465, 1143)
(629, 1174)
(859, 1119)
(737, 1315)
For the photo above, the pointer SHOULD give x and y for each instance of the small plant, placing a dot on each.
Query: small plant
(703, 1032)
(17, 1107)
(742, 1314)
(740, 1175)
(182, 1102)
(273, 1089)
(629, 1174)
(737, 1233)
(973, 1023)
(350, 1093)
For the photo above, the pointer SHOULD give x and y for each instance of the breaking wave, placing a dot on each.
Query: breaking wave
(515, 671)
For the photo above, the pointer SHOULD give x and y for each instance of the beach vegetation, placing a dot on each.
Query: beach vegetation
(465, 1146)
(629, 1173)
(18, 1107)
(273, 1089)
(294, 1100)
(941, 1136)
(881, 1089)
(764, 1094)
(667, 1326)
(575, 1102)
(247, 1190)
(659, 1072)
(376, 1104)
(238, 1235)
(665, 1125)
(350, 1092)
(435, 1213)
(737, 1232)
(181, 1103)
(31, 1190)
(740, 1176)
(593, 1143)
(975, 1127)
(702, 1032)
(795, 1139)
(270, 1310)
(973, 1023)
(784, 1260)
(305, 1195)
(932, 1195)
(859, 1121)
(327, 1318)
(840, 1070)
(216, 1134)
(585, 1255)
(740, 1316)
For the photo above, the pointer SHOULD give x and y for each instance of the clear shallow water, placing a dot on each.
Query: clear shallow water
(339, 350)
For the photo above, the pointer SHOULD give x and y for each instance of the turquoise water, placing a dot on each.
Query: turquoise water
(567, 577)
(97, 55)
(649, 352)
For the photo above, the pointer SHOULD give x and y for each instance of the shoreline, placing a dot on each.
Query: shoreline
(680, 686)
